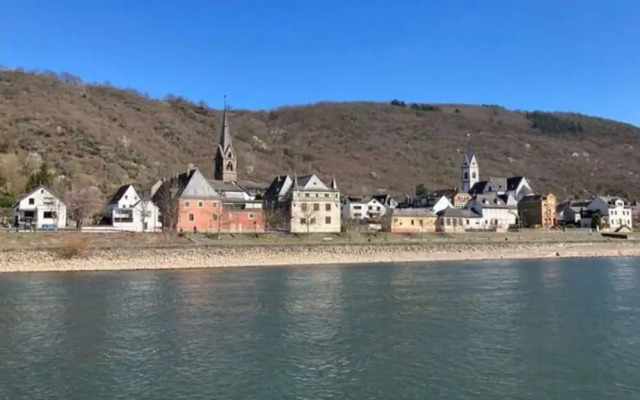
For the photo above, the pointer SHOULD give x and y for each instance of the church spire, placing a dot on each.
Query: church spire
(225, 134)
(225, 163)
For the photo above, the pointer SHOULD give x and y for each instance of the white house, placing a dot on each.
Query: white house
(129, 212)
(516, 186)
(494, 211)
(389, 202)
(614, 211)
(40, 209)
(361, 208)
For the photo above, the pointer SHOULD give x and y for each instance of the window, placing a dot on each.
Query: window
(303, 221)
(411, 222)
(378, 208)
(357, 207)
(327, 220)
(473, 175)
(214, 217)
(215, 205)
(191, 217)
(466, 175)
(200, 204)
(370, 207)
(326, 195)
(327, 207)
(230, 166)
(47, 214)
(312, 221)
(187, 204)
(126, 197)
(32, 201)
(303, 206)
(467, 222)
(306, 195)
(316, 207)
(250, 216)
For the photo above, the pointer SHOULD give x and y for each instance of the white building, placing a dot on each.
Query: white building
(494, 211)
(389, 202)
(40, 209)
(360, 208)
(129, 212)
(308, 205)
(614, 211)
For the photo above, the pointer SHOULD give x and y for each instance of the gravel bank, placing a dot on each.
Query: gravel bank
(298, 255)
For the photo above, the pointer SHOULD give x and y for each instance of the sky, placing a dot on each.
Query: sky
(570, 55)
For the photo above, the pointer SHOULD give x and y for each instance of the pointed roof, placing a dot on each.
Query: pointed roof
(334, 184)
(225, 134)
(469, 155)
(119, 193)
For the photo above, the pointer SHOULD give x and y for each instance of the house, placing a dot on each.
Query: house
(303, 204)
(40, 209)
(494, 211)
(615, 213)
(456, 220)
(569, 213)
(436, 202)
(389, 202)
(361, 208)
(538, 210)
(411, 220)
(128, 211)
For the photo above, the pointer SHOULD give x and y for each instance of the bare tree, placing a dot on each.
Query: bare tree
(349, 224)
(274, 219)
(82, 203)
(166, 198)
(308, 214)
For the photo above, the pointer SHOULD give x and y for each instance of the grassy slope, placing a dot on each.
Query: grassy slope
(108, 136)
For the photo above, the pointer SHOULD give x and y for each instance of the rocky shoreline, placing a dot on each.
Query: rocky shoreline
(298, 255)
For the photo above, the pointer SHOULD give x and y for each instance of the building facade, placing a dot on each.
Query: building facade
(129, 212)
(40, 209)
(538, 211)
(411, 221)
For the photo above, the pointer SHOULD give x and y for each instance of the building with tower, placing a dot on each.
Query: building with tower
(470, 171)
(225, 160)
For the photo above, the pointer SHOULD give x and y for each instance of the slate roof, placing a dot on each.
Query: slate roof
(118, 194)
(277, 187)
(490, 200)
(514, 182)
(458, 213)
(412, 211)
(222, 186)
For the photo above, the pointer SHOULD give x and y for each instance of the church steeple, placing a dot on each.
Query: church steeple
(470, 170)
(225, 162)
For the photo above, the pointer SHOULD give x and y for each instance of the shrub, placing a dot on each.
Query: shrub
(7, 200)
(73, 246)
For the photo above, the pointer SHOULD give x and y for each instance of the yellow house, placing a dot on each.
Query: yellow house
(411, 220)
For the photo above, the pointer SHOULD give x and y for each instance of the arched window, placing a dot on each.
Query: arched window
(466, 175)
(229, 166)
(473, 175)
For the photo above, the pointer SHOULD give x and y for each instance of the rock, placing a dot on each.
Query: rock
(374, 175)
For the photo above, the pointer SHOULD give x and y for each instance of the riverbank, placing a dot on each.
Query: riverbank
(97, 259)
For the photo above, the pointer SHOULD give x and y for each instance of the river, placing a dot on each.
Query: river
(534, 329)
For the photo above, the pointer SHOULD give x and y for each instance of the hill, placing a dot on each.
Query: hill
(97, 134)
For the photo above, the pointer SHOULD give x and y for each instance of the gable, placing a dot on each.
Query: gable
(314, 183)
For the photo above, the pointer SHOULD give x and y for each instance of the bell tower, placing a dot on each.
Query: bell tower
(470, 171)
(225, 161)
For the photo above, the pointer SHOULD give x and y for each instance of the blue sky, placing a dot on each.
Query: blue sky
(569, 55)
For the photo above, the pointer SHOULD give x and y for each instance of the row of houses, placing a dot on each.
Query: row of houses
(189, 201)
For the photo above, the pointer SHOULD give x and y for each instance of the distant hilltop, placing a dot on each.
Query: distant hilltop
(106, 136)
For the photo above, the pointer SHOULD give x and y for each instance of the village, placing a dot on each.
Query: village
(189, 202)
